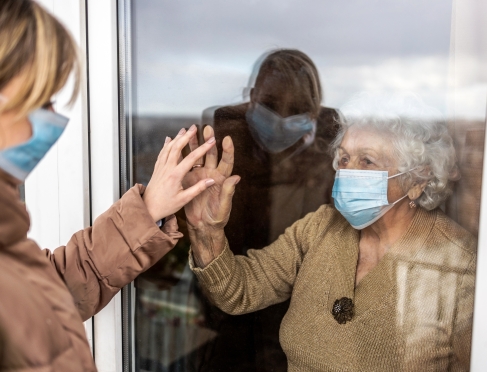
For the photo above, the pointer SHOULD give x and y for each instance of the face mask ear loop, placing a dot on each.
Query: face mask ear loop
(396, 175)
(398, 200)
(399, 174)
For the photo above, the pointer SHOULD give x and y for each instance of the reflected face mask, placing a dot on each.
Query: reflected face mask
(361, 195)
(275, 133)
(47, 127)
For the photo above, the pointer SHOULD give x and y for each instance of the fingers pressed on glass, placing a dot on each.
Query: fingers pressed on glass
(212, 154)
(179, 143)
(189, 161)
(163, 154)
(193, 145)
(169, 144)
(226, 164)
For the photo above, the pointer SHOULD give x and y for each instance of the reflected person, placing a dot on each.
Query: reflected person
(283, 128)
(382, 281)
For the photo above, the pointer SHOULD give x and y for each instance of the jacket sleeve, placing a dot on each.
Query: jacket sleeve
(243, 284)
(122, 243)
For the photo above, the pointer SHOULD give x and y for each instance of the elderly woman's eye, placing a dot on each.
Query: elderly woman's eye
(344, 161)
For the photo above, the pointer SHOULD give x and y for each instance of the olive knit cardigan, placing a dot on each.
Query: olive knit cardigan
(413, 311)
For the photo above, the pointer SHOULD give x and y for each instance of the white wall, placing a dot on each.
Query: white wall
(57, 192)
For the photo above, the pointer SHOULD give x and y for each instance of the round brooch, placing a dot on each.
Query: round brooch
(343, 310)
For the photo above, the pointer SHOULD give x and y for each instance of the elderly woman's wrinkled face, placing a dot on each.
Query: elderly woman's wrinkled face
(370, 150)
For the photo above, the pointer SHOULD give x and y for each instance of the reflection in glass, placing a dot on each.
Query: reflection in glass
(189, 57)
(281, 140)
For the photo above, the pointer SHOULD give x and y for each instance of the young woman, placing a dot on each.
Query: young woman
(45, 296)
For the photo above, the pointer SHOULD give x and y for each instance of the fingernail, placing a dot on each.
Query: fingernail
(210, 182)
(211, 140)
(182, 131)
(167, 139)
(237, 181)
(192, 128)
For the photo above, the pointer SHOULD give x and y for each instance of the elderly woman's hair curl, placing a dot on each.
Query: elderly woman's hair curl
(421, 143)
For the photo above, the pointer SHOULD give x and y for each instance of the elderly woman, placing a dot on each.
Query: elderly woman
(383, 281)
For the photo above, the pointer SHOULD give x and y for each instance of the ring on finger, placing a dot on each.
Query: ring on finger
(197, 166)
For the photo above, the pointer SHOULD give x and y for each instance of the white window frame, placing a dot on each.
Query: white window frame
(105, 158)
(58, 192)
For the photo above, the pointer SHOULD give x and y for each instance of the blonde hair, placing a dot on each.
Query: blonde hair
(35, 47)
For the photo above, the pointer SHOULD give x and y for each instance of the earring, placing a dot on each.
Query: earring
(412, 204)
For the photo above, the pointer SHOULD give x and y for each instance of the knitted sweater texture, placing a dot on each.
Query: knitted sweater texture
(413, 311)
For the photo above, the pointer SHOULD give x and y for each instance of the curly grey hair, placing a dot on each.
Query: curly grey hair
(422, 145)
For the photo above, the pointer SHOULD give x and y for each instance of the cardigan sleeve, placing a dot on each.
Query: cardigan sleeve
(243, 284)
(123, 242)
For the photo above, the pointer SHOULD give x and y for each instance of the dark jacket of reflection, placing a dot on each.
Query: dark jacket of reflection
(275, 191)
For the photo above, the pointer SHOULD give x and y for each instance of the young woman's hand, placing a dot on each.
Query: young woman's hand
(165, 194)
(208, 213)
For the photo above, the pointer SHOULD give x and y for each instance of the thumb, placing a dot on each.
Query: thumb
(226, 195)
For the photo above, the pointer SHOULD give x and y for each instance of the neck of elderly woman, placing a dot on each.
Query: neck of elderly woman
(390, 227)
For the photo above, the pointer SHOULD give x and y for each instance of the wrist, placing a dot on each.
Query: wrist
(155, 216)
(206, 244)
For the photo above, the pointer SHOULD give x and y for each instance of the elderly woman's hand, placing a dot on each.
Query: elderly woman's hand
(165, 194)
(208, 213)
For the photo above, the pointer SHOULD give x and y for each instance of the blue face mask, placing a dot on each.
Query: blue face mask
(275, 133)
(361, 196)
(20, 160)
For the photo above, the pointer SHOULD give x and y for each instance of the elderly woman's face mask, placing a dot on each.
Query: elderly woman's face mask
(361, 195)
(362, 190)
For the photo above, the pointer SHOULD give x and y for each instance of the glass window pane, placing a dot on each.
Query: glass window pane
(282, 80)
